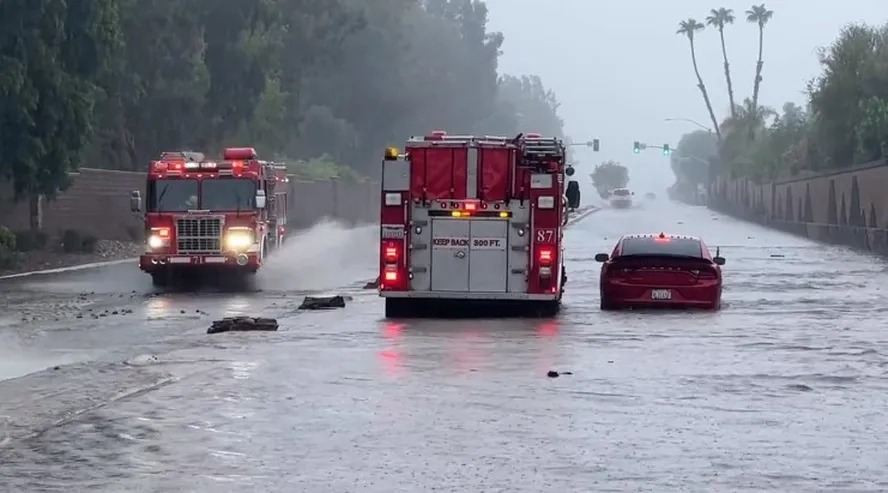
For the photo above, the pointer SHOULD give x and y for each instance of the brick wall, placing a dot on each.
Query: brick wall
(97, 203)
(848, 207)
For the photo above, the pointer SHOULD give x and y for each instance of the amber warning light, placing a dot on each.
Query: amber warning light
(392, 153)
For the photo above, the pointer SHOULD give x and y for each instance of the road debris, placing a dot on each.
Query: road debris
(322, 302)
(240, 324)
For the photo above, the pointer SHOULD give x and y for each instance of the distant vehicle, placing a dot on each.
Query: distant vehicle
(650, 196)
(651, 271)
(621, 198)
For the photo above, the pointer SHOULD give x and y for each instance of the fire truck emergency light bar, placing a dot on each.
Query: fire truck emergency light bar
(162, 166)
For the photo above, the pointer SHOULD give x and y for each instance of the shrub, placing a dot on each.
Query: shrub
(75, 242)
(30, 240)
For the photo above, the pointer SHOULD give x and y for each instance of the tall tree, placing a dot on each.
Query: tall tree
(719, 18)
(690, 28)
(758, 14)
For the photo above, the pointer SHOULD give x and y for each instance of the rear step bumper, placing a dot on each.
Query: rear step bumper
(459, 295)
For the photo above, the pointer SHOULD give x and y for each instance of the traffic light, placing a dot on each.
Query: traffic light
(636, 147)
(595, 145)
(666, 150)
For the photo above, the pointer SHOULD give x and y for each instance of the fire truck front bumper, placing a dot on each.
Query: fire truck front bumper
(152, 262)
(457, 295)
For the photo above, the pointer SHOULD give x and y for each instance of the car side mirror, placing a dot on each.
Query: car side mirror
(136, 201)
(261, 199)
(719, 260)
(602, 257)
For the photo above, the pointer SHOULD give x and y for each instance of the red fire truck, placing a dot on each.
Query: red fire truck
(473, 220)
(204, 214)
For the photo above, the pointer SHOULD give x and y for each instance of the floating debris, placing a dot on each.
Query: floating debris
(322, 303)
(555, 374)
(234, 324)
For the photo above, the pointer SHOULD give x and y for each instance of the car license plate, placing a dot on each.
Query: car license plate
(661, 294)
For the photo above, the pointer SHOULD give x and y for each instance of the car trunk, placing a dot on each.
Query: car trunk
(662, 271)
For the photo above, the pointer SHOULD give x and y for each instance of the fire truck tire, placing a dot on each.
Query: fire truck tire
(548, 308)
(160, 279)
(398, 308)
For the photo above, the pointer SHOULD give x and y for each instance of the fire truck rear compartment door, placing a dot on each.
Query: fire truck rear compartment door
(450, 255)
(489, 258)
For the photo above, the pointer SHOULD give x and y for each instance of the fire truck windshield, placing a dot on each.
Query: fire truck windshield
(172, 195)
(228, 194)
(217, 194)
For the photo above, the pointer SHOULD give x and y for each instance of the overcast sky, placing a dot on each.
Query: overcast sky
(619, 69)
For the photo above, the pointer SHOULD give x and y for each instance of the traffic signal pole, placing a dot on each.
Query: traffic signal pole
(637, 147)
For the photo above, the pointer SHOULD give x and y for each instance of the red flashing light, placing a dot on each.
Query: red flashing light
(661, 237)
(436, 135)
(546, 256)
(163, 232)
(471, 206)
(391, 275)
(240, 153)
(391, 254)
(533, 135)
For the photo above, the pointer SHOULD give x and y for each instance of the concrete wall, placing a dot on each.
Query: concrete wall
(97, 203)
(848, 207)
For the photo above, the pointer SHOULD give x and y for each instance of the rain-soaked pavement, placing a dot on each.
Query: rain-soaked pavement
(783, 390)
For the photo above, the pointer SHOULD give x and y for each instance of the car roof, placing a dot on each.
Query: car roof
(659, 235)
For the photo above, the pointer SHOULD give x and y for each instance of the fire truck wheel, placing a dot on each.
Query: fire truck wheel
(160, 279)
(398, 308)
(548, 308)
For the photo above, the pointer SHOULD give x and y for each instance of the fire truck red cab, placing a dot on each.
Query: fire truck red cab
(469, 220)
(203, 214)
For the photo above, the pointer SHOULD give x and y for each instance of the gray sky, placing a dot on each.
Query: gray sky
(619, 69)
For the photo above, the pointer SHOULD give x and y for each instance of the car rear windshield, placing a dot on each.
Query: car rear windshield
(672, 247)
(622, 192)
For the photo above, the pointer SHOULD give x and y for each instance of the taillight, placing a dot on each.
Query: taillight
(545, 256)
(391, 276)
(707, 274)
(392, 255)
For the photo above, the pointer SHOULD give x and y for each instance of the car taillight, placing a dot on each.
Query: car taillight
(391, 276)
(545, 256)
(707, 274)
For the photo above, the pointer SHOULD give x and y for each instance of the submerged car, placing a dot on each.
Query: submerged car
(659, 271)
(621, 198)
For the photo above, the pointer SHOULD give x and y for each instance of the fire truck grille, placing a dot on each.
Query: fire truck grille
(199, 234)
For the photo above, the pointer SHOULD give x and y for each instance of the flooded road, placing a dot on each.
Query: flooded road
(782, 390)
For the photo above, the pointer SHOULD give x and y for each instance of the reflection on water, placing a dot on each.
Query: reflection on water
(157, 307)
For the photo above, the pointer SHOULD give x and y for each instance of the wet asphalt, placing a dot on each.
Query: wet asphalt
(782, 390)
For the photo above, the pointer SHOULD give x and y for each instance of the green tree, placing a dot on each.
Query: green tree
(719, 18)
(690, 161)
(760, 15)
(608, 176)
(690, 28)
(54, 54)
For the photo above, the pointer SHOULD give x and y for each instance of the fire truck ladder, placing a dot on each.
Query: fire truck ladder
(537, 151)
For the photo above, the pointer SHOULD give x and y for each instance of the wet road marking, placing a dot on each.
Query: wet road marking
(58, 270)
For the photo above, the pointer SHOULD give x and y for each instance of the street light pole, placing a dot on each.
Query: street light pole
(695, 122)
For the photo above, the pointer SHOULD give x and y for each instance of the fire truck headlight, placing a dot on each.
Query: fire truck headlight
(155, 242)
(238, 239)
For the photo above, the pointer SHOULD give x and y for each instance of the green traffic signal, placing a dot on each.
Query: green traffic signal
(666, 150)
(636, 147)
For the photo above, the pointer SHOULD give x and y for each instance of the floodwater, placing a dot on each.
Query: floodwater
(782, 390)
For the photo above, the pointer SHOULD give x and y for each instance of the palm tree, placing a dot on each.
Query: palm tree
(690, 28)
(719, 18)
(760, 15)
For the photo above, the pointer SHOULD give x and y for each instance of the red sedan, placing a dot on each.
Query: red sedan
(653, 271)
